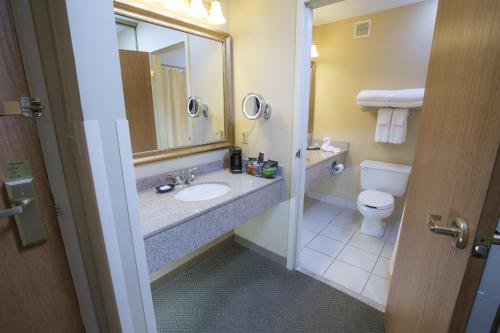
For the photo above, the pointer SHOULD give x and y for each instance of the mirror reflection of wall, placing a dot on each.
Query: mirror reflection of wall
(162, 68)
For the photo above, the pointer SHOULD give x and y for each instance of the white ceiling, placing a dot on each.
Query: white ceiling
(351, 8)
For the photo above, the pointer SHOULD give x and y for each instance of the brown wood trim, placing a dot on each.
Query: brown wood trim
(475, 266)
(186, 263)
(260, 250)
(169, 22)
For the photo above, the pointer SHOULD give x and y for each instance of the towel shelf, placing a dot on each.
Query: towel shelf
(374, 108)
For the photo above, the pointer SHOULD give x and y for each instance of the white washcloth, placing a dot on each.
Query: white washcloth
(383, 125)
(399, 125)
(404, 98)
(326, 146)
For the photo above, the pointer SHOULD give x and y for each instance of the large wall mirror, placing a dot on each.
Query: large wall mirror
(177, 85)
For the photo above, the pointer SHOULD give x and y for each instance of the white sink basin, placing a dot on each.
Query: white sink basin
(202, 192)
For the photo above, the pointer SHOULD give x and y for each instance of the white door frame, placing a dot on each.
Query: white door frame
(303, 42)
(28, 44)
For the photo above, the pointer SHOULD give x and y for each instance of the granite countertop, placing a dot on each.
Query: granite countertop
(314, 157)
(159, 212)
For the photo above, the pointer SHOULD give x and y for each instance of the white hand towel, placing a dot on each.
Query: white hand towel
(383, 125)
(399, 125)
(326, 146)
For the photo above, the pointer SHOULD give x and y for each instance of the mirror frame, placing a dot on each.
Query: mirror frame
(123, 9)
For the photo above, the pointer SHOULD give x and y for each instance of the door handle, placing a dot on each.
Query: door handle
(20, 208)
(459, 229)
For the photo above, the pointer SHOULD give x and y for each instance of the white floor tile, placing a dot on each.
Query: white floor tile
(377, 289)
(314, 261)
(306, 237)
(388, 250)
(314, 224)
(325, 245)
(323, 211)
(338, 233)
(347, 221)
(347, 276)
(382, 268)
(368, 243)
(359, 258)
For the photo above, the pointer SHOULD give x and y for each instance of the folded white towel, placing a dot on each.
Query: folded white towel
(404, 98)
(399, 125)
(374, 95)
(382, 130)
(408, 95)
(327, 147)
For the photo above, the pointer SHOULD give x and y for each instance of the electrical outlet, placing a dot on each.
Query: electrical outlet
(244, 137)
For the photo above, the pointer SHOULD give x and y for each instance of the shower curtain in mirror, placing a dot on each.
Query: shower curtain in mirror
(172, 118)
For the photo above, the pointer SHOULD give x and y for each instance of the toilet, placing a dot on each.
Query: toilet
(380, 182)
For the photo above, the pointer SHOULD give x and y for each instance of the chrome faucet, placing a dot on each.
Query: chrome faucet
(186, 176)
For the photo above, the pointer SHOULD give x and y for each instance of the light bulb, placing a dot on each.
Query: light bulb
(176, 5)
(197, 9)
(216, 16)
(314, 51)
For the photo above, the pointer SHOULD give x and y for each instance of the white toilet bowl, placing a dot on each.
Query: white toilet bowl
(375, 206)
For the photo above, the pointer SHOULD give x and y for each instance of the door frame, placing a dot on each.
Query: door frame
(121, 294)
(26, 35)
(486, 227)
(303, 42)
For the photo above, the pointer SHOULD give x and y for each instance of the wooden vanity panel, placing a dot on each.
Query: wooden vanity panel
(136, 78)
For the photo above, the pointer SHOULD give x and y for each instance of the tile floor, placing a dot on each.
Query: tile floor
(333, 248)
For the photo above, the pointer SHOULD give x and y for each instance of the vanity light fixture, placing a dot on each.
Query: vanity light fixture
(176, 5)
(314, 51)
(197, 9)
(216, 16)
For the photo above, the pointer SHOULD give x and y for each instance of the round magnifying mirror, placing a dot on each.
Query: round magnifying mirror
(193, 107)
(255, 107)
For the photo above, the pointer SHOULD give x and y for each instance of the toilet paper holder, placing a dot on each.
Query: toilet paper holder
(336, 168)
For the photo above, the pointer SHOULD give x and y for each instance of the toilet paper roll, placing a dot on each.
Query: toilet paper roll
(338, 168)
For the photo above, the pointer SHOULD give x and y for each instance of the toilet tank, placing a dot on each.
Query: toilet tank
(386, 177)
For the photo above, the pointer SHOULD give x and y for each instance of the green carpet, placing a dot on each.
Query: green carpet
(240, 291)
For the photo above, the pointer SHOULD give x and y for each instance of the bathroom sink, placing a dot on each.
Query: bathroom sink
(200, 192)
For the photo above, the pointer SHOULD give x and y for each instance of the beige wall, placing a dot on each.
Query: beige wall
(263, 34)
(394, 57)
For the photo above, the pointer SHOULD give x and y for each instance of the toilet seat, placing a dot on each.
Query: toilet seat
(376, 200)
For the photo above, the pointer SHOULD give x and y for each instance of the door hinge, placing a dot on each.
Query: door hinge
(481, 247)
(26, 106)
(298, 154)
(58, 209)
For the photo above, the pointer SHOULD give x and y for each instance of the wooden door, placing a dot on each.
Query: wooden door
(456, 150)
(36, 289)
(136, 78)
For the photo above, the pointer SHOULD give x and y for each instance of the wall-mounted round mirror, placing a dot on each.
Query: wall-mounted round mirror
(255, 107)
(195, 107)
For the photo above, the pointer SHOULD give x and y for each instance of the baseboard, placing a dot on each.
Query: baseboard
(336, 200)
(260, 250)
(184, 264)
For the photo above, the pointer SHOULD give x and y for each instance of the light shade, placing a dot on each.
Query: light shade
(216, 16)
(176, 5)
(197, 9)
(314, 51)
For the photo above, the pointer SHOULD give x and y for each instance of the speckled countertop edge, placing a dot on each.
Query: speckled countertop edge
(159, 212)
(314, 157)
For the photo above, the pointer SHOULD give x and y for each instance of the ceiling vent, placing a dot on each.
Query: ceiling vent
(362, 28)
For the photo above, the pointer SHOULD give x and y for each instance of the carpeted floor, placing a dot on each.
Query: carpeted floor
(240, 291)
